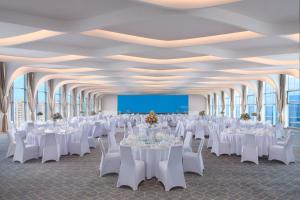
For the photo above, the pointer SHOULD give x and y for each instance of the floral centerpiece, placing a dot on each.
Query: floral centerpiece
(56, 116)
(39, 114)
(202, 113)
(151, 118)
(93, 113)
(245, 116)
(254, 114)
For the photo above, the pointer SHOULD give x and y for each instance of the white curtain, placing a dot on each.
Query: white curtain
(74, 102)
(244, 99)
(4, 97)
(30, 94)
(231, 102)
(88, 103)
(82, 101)
(64, 101)
(215, 104)
(51, 103)
(259, 99)
(222, 102)
(281, 98)
(208, 104)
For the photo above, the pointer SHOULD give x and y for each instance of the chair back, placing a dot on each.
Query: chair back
(11, 136)
(175, 156)
(126, 156)
(249, 140)
(112, 140)
(50, 140)
(201, 144)
(188, 139)
(102, 148)
(289, 141)
(20, 145)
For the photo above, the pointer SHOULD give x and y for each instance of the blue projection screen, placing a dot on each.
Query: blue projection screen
(157, 103)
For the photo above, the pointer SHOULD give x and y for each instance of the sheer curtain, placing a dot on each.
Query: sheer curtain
(281, 98)
(244, 99)
(82, 101)
(64, 101)
(208, 104)
(222, 102)
(30, 94)
(231, 102)
(215, 104)
(51, 103)
(74, 101)
(259, 99)
(4, 97)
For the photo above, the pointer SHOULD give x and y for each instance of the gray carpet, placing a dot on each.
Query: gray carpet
(76, 177)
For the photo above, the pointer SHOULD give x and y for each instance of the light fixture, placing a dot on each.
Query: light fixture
(172, 43)
(164, 61)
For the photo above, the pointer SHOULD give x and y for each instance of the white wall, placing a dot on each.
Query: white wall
(109, 105)
(197, 103)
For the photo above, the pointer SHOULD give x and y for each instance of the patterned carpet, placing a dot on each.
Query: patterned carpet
(76, 177)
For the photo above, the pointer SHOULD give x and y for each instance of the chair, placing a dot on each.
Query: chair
(283, 152)
(249, 149)
(199, 131)
(112, 143)
(12, 144)
(51, 149)
(110, 162)
(187, 143)
(171, 171)
(219, 147)
(132, 172)
(98, 130)
(279, 131)
(193, 162)
(24, 151)
(91, 140)
(79, 143)
(211, 129)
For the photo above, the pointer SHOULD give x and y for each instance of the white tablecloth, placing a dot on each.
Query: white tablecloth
(263, 142)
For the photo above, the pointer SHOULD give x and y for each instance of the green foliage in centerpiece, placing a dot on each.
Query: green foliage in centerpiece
(93, 113)
(151, 118)
(39, 114)
(56, 116)
(202, 113)
(245, 116)
(254, 114)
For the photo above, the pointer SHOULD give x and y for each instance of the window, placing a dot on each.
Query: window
(42, 101)
(237, 104)
(219, 109)
(19, 100)
(293, 101)
(78, 104)
(212, 105)
(270, 104)
(57, 99)
(69, 102)
(227, 105)
(251, 102)
(84, 105)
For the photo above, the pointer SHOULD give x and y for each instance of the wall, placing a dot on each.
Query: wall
(109, 105)
(197, 103)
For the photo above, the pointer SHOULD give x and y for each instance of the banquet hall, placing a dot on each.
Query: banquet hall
(149, 99)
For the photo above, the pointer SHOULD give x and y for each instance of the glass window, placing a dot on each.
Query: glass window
(227, 105)
(42, 101)
(219, 105)
(212, 105)
(251, 99)
(270, 104)
(293, 101)
(78, 104)
(19, 100)
(69, 102)
(57, 98)
(237, 104)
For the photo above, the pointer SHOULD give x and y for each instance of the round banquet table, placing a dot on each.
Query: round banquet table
(62, 138)
(263, 141)
(151, 154)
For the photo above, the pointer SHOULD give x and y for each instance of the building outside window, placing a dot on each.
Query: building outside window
(42, 101)
(251, 99)
(19, 101)
(270, 104)
(293, 101)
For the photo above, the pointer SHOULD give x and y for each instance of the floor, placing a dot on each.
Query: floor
(76, 177)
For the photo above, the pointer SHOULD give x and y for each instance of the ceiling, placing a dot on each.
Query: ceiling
(143, 46)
